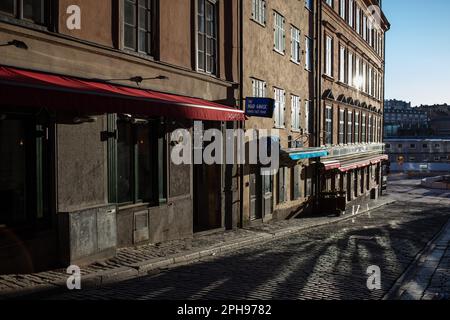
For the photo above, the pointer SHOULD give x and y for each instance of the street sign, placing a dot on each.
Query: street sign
(259, 107)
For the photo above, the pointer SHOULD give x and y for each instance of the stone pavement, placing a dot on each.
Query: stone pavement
(143, 260)
(327, 262)
(429, 277)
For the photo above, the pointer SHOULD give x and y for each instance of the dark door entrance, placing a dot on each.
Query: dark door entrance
(267, 194)
(207, 193)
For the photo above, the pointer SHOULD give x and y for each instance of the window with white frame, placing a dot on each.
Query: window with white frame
(349, 127)
(307, 118)
(280, 107)
(350, 69)
(342, 4)
(370, 129)
(342, 56)
(295, 44)
(357, 80)
(279, 33)
(328, 125)
(259, 11)
(364, 77)
(259, 88)
(207, 36)
(295, 112)
(356, 127)
(364, 27)
(138, 25)
(358, 19)
(350, 12)
(329, 56)
(341, 133)
(363, 129)
(370, 81)
(308, 53)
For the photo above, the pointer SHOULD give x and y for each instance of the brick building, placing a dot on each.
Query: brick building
(351, 88)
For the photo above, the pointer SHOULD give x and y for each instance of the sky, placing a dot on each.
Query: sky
(418, 51)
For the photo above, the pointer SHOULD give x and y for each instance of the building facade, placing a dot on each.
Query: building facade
(90, 93)
(400, 119)
(351, 88)
(419, 154)
(278, 63)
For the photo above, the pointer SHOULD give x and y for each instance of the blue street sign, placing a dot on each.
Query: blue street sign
(259, 107)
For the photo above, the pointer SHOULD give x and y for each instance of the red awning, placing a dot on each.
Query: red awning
(362, 163)
(331, 165)
(34, 89)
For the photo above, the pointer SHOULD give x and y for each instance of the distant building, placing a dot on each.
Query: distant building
(426, 154)
(400, 119)
(439, 117)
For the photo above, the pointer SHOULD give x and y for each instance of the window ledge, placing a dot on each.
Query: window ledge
(258, 22)
(279, 52)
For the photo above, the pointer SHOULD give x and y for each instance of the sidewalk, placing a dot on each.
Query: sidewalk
(148, 259)
(428, 278)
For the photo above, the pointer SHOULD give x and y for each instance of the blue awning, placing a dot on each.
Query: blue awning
(307, 155)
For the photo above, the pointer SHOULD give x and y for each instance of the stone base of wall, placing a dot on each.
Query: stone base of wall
(87, 236)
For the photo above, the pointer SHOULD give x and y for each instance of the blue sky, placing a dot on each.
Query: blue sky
(418, 51)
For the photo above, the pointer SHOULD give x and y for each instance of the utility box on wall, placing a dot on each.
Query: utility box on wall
(88, 235)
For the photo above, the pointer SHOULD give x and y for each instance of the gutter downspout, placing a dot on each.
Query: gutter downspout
(241, 124)
(317, 93)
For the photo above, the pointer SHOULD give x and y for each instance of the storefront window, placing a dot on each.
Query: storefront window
(22, 167)
(141, 162)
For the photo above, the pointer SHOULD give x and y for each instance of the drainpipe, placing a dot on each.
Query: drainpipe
(317, 92)
(241, 124)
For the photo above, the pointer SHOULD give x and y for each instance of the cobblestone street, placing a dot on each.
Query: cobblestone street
(327, 262)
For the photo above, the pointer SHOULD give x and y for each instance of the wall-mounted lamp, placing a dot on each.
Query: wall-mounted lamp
(139, 79)
(16, 43)
(87, 119)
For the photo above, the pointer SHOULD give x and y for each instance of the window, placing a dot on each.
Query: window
(357, 127)
(358, 19)
(330, 3)
(342, 8)
(259, 11)
(34, 11)
(307, 118)
(329, 56)
(295, 112)
(358, 79)
(342, 56)
(23, 171)
(350, 13)
(388, 146)
(141, 162)
(328, 125)
(350, 69)
(295, 45)
(138, 22)
(363, 129)
(259, 88)
(364, 27)
(279, 33)
(349, 127)
(309, 4)
(207, 36)
(280, 107)
(437, 146)
(364, 77)
(282, 172)
(370, 129)
(308, 53)
(370, 83)
(412, 146)
(341, 126)
(425, 146)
